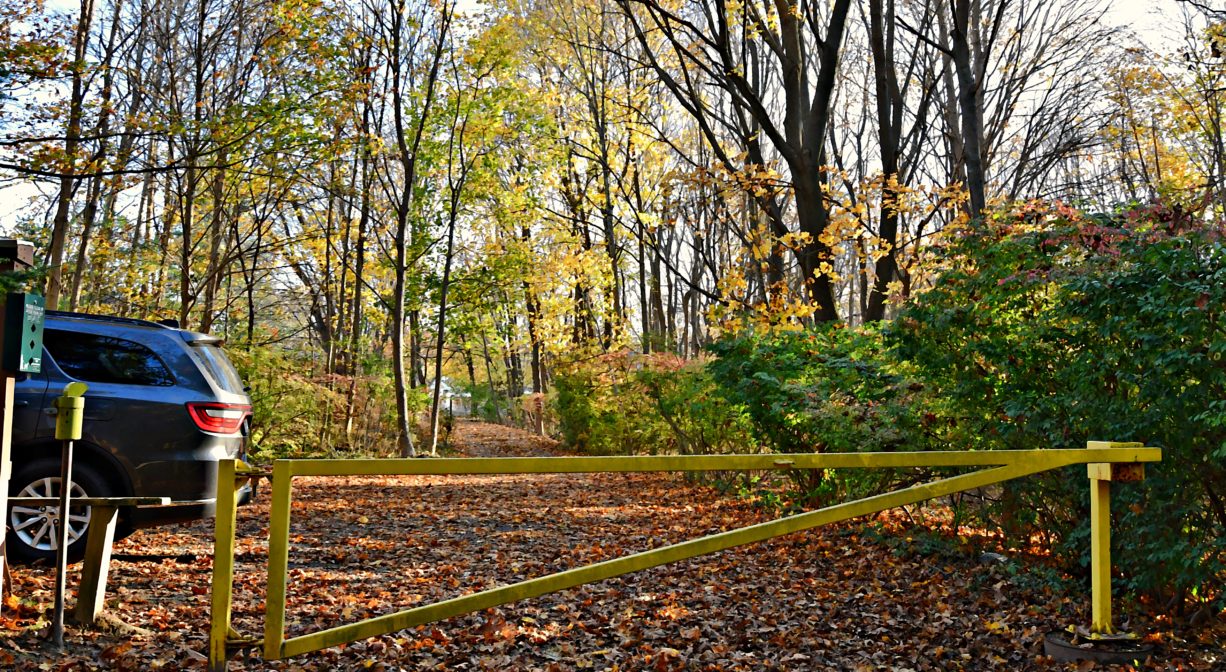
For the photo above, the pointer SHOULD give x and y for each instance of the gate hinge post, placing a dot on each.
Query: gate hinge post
(1101, 475)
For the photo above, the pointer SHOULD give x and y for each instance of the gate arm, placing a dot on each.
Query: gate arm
(456, 466)
(276, 647)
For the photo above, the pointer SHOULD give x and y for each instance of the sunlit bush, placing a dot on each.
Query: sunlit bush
(627, 403)
(828, 389)
(1050, 328)
(298, 413)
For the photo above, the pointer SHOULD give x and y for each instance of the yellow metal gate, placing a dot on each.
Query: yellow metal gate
(1107, 461)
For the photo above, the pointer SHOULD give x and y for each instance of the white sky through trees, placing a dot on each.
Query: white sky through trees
(1156, 24)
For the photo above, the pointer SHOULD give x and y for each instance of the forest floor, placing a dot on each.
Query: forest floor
(837, 598)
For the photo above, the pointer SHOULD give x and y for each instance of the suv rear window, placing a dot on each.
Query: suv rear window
(104, 359)
(218, 367)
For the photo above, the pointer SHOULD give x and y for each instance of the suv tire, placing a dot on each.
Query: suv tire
(30, 527)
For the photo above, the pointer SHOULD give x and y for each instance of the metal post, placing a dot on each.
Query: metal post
(1101, 474)
(224, 525)
(62, 541)
(1100, 552)
(278, 557)
(70, 411)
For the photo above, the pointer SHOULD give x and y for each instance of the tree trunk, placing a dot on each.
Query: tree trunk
(359, 269)
(212, 273)
(452, 214)
(72, 143)
(534, 315)
(407, 157)
(889, 118)
(970, 106)
(489, 376)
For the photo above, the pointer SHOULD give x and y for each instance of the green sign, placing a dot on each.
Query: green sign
(23, 333)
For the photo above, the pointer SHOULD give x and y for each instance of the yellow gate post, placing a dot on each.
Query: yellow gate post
(278, 557)
(222, 599)
(231, 474)
(1101, 474)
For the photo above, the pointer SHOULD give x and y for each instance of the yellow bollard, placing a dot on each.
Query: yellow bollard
(1101, 475)
(1100, 552)
(222, 599)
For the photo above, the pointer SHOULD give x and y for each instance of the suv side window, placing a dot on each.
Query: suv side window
(104, 359)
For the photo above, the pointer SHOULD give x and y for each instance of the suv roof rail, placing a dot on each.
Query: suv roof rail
(108, 318)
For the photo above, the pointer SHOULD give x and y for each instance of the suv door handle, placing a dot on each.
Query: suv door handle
(20, 403)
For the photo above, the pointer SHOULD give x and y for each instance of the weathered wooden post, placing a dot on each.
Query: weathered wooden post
(15, 255)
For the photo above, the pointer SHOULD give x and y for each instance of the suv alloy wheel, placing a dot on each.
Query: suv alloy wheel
(35, 529)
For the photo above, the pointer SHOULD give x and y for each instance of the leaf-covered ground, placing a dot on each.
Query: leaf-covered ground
(833, 599)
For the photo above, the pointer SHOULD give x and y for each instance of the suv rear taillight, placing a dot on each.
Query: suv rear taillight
(218, 418)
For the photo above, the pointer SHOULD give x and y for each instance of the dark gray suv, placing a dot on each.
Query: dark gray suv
(164, 405)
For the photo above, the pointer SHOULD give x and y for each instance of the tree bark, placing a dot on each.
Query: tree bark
(969, 103)
(72, 143)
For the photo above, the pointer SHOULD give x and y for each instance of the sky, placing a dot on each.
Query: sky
(1155, 22)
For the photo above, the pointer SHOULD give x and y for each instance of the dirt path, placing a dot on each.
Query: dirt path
(825, 600)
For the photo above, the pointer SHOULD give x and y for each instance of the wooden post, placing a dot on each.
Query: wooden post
(97, 563)
(14, 255)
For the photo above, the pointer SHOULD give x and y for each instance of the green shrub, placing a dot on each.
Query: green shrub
(1049, 328)
(572, 398)
(297, 413)
(701, 420)
(602, 410)
(828, 389)
(627, 404)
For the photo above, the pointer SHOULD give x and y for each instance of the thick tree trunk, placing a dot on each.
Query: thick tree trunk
(889, 118)
(72, 143)
(969, 103)
(814, 218)
(404, 438)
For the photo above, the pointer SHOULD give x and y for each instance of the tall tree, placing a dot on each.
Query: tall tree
(72, 144)
(797, 44)
(414, 46)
